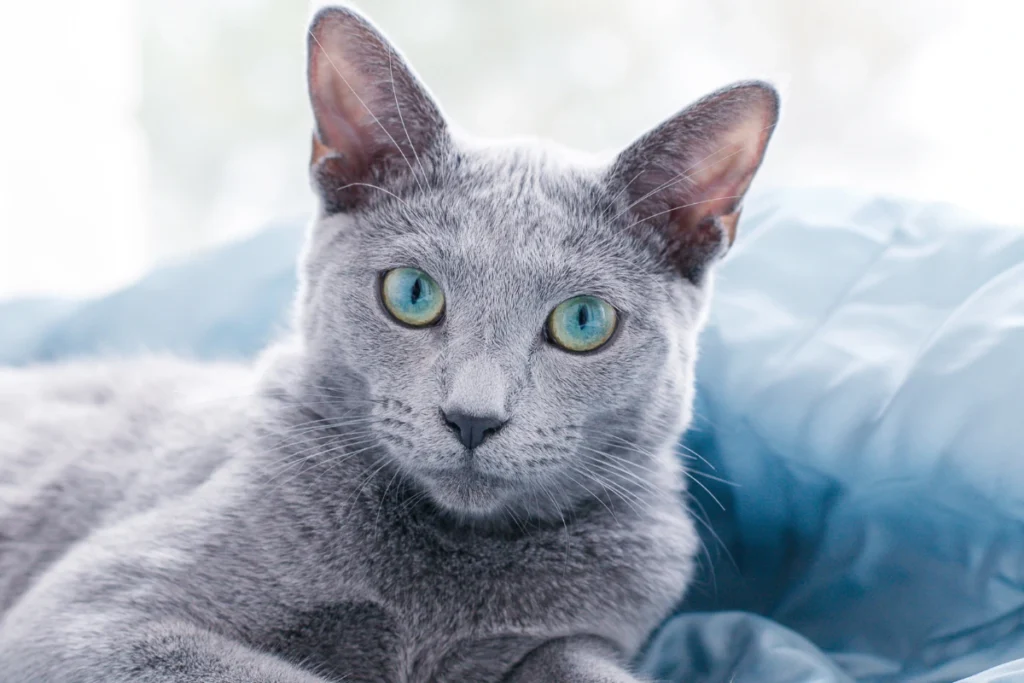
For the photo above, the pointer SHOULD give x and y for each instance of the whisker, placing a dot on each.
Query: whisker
(375, 187)
(339, 459)
(635, 449)
(513, 516)
(706, 522)
(634, 501)
(383, 497)
(678, 178)
(699, 483)
(413, 500)
(324, 425)
(623, 190)
(642, 451)
(612, 471)
(685, 175)
(681, 206)
(623, 468)
(589, 492)
(697, 455)
(383, 463)
(319, 452)
(707, 551)
(297, 475)
(293, 459)
(712, 477)
(611, 487)
(401, 119)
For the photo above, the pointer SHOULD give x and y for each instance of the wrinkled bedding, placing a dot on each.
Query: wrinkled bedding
(857, 457)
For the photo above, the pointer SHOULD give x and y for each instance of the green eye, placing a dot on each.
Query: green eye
(412, 297)
(582, 323)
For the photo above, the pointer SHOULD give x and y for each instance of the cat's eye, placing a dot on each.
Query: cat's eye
(412, 297)
(582, 323)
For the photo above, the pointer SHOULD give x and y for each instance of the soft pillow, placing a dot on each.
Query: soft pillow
(224, 304)
(857, 452)
(861, 390)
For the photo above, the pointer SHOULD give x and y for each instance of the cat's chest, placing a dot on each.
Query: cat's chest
(356, 640)
(364, 641)
(422, 605)
(469, 608)
(429, 610)
(433, 627)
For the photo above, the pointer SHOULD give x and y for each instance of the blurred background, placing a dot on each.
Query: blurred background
(135, 131)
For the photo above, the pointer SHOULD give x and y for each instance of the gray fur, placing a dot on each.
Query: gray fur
(311, 518)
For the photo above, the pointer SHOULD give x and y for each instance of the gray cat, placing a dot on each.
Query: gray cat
(458, 467)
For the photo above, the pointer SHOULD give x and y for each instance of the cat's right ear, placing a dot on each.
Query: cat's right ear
(374, 120)
(686, 178)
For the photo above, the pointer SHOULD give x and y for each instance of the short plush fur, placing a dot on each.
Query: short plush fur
(313, 518)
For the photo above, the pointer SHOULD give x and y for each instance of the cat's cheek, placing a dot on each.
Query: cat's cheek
(612, 377)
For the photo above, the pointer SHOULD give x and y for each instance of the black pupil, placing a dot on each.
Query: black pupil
(417, 291)
(583, 317)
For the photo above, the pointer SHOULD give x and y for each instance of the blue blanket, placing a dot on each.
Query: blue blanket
(858, 451)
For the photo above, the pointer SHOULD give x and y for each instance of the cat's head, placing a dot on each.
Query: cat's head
(517, 328)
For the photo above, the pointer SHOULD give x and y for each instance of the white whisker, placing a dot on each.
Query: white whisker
(401, 119)
(375, 187)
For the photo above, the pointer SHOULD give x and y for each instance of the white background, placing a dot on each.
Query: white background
(135, 131)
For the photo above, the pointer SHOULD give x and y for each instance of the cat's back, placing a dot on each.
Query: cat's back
(83, 445)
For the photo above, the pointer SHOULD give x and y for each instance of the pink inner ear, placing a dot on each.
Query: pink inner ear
(691, 172)
(340, 115)
(372, 115)
(720, 180)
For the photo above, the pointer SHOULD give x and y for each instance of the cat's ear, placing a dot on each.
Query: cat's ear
(686, 178)
(374, 120)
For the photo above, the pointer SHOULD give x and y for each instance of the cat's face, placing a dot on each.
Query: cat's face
(506, 237)
(443, 283)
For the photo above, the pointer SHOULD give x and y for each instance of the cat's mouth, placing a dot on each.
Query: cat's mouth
(468, 490)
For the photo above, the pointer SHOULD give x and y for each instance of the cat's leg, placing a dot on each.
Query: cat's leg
(96, 648)
(572, 660)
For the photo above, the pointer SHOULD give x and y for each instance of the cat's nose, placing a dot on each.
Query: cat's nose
(472, 429)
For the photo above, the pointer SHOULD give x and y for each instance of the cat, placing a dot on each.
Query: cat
(460, 464)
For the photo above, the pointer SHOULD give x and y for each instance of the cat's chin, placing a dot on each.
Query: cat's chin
(468, 493)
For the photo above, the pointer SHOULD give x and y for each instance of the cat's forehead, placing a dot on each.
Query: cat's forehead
(525, 187)
(518, 215)
(518, 199)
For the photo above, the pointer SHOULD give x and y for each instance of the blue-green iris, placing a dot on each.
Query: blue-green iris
(412, 296)
(582, 323)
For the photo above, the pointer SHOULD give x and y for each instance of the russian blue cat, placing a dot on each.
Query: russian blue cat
(458, 466)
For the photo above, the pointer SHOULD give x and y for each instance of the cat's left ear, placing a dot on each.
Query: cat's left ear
(686, 178)
(374, 120)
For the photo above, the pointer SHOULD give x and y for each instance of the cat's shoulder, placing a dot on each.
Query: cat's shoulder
(117, 415)
(84, 445)
(79, 385)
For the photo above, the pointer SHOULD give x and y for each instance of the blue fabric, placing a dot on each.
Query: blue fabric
(226, 304)
(858, 451)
